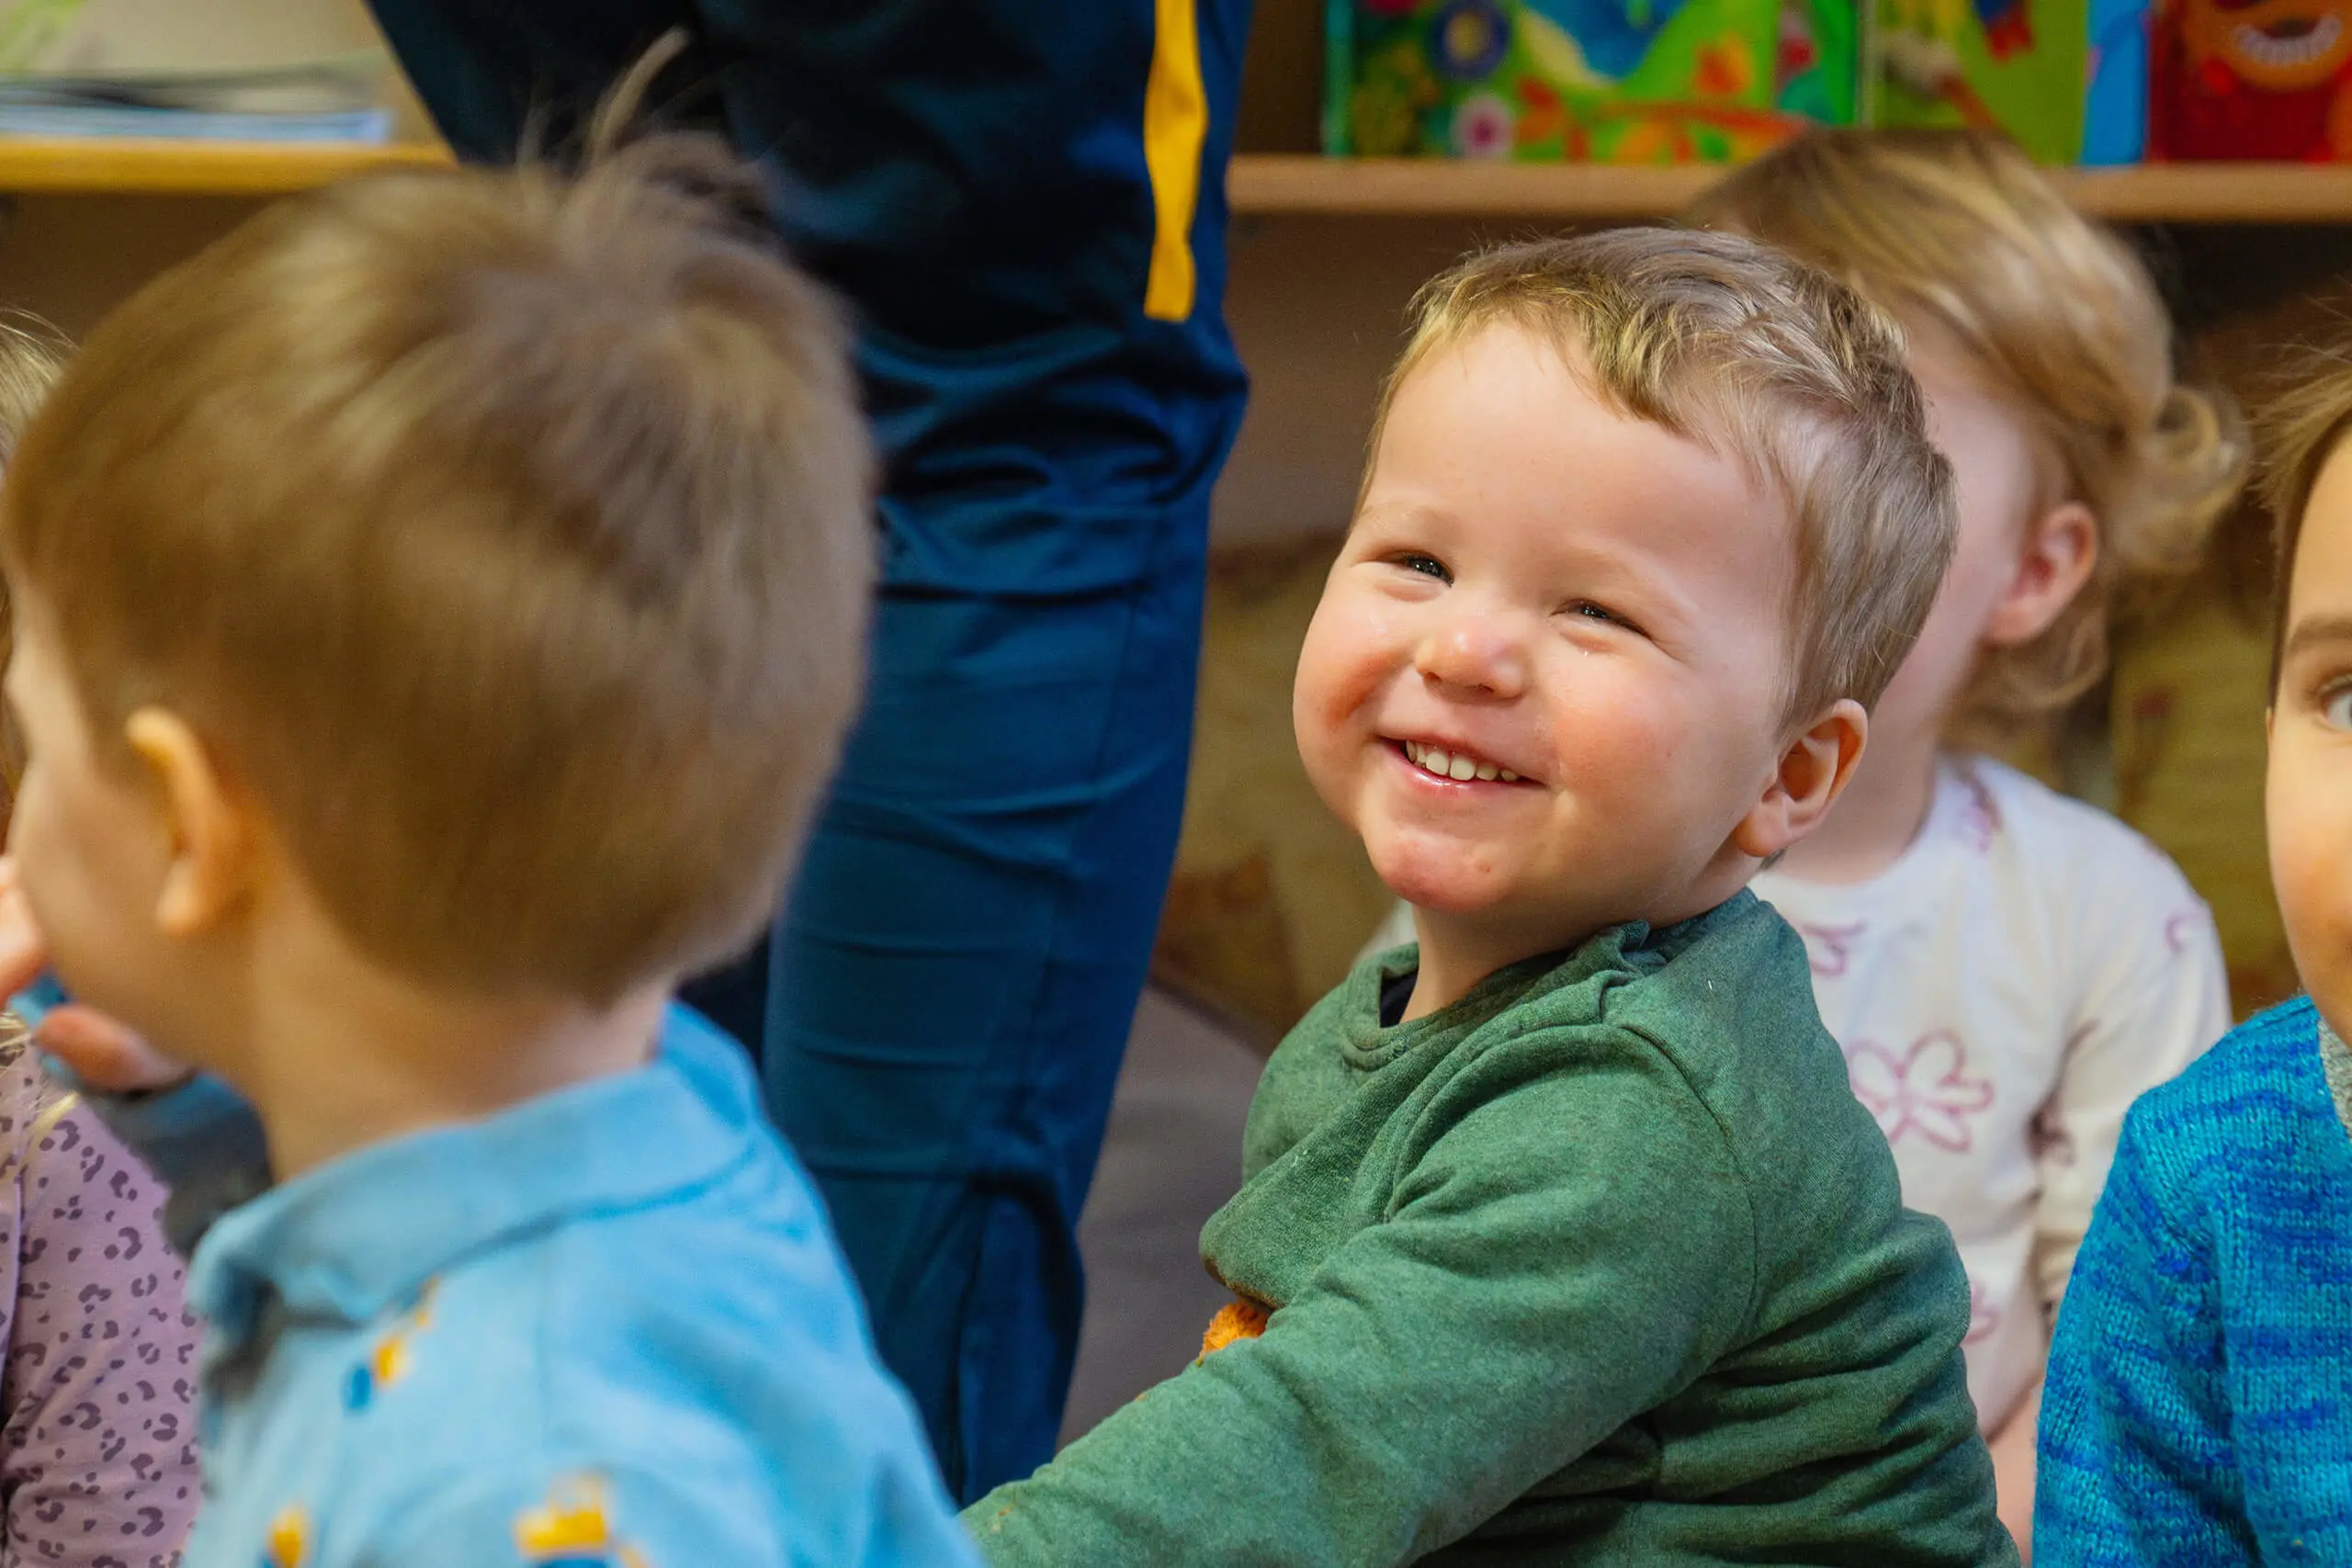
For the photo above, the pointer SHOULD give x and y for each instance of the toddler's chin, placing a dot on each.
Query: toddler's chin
(1433, 888)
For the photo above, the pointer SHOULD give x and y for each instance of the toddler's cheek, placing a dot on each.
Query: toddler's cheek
(1339, 671)
(2312, 867)
(1332, 703)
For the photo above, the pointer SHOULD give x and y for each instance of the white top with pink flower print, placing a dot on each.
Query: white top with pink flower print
(2003, 992)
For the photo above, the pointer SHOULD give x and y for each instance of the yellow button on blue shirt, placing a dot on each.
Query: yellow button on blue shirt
(608, 1328)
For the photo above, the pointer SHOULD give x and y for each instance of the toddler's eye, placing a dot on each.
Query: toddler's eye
(1427, 566)
(2336, 707)
(1584, 609)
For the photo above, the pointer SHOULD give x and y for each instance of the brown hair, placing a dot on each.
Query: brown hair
(1960, 230)
(509, 534)
(1723, 341)
(2300, 431)
(32, 352)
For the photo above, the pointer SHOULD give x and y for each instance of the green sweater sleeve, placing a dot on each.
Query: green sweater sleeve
(1568, 1244)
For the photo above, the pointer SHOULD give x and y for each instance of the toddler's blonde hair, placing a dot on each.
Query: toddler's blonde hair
(1960, 230)
(1730, 343)
(509, 533)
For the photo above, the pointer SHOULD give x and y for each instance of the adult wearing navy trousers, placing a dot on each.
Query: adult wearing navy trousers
(1024, 201)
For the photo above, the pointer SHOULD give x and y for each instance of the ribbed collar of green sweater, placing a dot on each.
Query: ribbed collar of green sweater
(1369, 1045)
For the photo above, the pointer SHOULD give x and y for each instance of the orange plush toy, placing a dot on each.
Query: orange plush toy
(1240, 1318)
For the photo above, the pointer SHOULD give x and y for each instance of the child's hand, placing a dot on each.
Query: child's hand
(23, 954)
(103, 1055)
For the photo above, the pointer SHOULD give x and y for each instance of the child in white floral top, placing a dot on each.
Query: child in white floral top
(2006, 969)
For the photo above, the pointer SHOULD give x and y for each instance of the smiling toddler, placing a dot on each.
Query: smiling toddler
(1562, 1237)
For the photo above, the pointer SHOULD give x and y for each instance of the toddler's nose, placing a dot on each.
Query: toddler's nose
(1475, 654)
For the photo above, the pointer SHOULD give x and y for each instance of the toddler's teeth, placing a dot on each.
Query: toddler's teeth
(1486, 770)
(1464, 770)
(1435, 761)
(1509, 777)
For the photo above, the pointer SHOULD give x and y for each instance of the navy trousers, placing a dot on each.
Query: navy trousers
(1024, 201)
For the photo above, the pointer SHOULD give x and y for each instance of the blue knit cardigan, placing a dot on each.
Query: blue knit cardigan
(2198, 1406)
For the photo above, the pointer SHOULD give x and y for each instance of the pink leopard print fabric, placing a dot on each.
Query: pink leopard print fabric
(97, 1390)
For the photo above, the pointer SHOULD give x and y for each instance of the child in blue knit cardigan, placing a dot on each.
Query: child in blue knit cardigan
(2198, 1406)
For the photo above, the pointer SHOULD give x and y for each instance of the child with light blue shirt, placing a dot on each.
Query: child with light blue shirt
(439, 610)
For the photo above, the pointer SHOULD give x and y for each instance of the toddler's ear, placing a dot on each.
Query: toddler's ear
(208, 819)
(1812, 775)
(2060, 548)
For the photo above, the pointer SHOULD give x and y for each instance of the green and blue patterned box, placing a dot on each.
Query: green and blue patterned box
(1587, 80)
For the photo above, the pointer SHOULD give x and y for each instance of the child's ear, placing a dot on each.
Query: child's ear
(2060, 550)
(208, 822)
(1811, 776)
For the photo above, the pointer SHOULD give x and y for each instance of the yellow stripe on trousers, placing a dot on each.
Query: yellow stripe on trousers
(1175, 124)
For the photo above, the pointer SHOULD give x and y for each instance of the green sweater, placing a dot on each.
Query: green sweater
(1603, 1264)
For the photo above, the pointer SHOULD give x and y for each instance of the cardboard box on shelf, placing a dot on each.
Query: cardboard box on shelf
(1713, 81)
(2068, 79)
(2269, 79)
(1599, 81)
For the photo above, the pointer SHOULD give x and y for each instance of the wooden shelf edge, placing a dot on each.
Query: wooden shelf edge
(1299, 184)
(99, 165)
(2214, 193)
(1261, 183)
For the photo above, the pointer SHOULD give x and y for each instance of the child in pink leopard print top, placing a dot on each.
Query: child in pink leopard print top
(98, 1352)
(97, 1449)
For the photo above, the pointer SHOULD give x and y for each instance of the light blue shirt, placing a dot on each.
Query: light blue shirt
(608, 1328)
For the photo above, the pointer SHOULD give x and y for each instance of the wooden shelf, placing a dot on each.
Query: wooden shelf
(1257, 182)
(2173, 193)
(195, 168)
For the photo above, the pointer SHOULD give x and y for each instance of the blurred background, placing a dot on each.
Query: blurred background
(1380, 139)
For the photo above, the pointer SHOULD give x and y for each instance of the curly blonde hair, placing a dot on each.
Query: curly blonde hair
(1958, 231)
